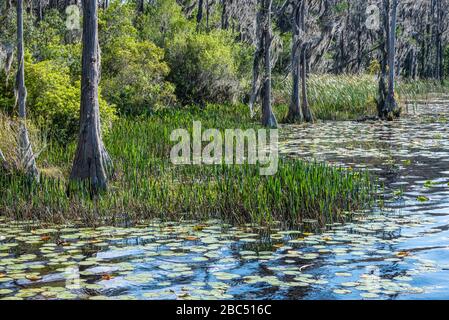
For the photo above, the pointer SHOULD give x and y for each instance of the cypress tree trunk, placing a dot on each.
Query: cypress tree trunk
(268, 118)
(294, 110)
(26, 154)
(305, 101)
(392, 108)
(91, 161)
(387, 106)
(307, 113)
(224, 15)
(140, 6)
(439, 45)
(40, 15)
(199, 14)
(384, 35)
(258, 55)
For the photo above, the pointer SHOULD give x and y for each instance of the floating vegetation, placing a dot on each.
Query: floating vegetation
(422, 198)
(150, 260)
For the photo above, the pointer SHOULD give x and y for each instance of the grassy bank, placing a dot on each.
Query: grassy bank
(147, 185)
(349, 97)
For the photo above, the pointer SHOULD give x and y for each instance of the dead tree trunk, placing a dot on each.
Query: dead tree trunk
(268, 118)
(92, 162)
(27, 158)
(294, 111)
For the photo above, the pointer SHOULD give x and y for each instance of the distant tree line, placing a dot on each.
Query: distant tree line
(389, 38)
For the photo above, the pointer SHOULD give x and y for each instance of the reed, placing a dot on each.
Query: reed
(349, 97)
(147, 185)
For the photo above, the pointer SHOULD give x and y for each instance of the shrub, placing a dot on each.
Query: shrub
(374, 67)
(54, 101)
(162, 21)
(204, 68)
(135, 81)
(134, 71)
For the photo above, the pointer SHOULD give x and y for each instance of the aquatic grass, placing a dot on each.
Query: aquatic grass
(349, 97)
(146, 184)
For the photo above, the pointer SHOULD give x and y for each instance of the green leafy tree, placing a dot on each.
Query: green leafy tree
(54, 100)
(135, 81)
(133, 70)
(204, 68)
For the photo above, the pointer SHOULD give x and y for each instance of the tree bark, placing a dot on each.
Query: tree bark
(307, 113)
(224, 15)
(392, 109)
(384, 35)
(140, 6)
(27, 158)
(294, 111)
(268, 118)
(208, 6)
(438, 41)
(92, 162)
(40, 15)
(199, 14)
(258, 56)
(387, 106)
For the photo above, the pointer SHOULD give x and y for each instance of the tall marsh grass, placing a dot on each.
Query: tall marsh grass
(147, 185)
(349, 97)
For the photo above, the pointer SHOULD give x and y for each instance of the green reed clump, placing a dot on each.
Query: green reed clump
(349, 97)
(413, 89)
(146, 184)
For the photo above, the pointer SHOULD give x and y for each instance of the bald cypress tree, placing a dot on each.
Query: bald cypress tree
(268, 118)
(27, 158)
(387, 105)
(92, 162)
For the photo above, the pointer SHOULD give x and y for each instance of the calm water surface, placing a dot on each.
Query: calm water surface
(399, 252)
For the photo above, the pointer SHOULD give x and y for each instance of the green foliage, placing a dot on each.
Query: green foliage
(136, 77)
(162, 22)
(204, 68)
(374, 67)
(49, 39)
(115, 22)
(341, 7)
(49, 33)
(134, 70)
(7, 98)
(54, 100)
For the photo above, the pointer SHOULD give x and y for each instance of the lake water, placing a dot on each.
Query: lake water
(398, 252)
